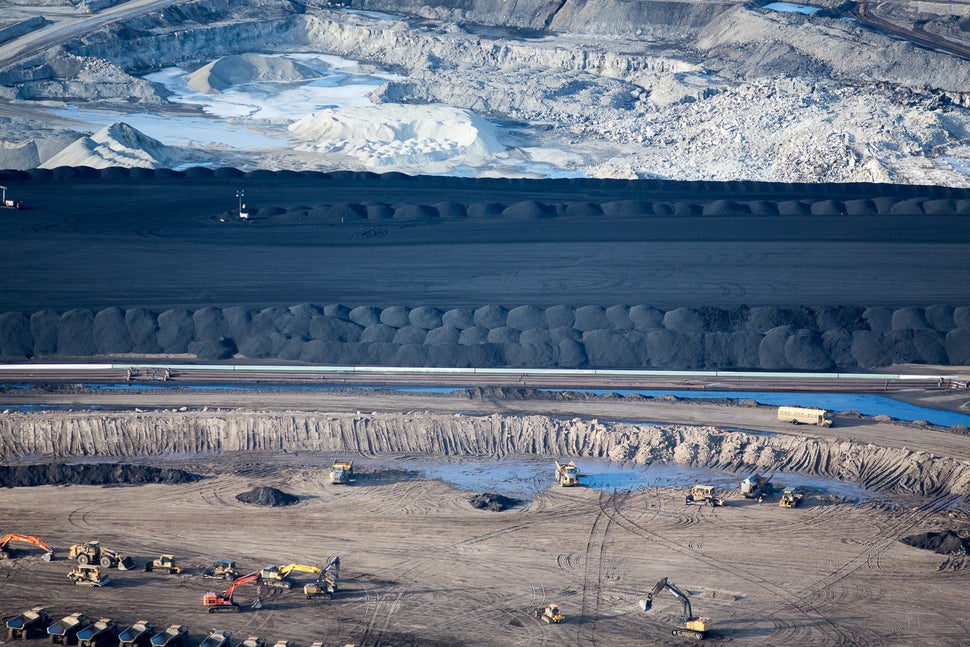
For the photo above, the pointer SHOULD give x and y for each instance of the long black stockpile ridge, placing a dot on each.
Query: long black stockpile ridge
(90, 474)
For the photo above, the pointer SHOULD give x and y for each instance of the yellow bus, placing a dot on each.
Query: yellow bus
(798, 415)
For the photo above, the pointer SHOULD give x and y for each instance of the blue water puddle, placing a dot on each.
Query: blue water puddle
(526, 478)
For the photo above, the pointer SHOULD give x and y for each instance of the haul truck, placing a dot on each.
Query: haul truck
(798, 415)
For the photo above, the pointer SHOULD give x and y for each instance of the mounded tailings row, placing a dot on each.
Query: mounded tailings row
(157, 433)
(821, 338)
(89, 474)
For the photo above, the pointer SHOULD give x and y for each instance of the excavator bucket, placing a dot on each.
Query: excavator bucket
(47, 557)
(646, 604)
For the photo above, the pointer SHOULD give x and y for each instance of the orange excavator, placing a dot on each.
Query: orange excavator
(224, 603)
(27, 539)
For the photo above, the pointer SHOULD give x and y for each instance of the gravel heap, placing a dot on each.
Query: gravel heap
(947, 542)
(493, 502)
(269, 496)
(89, 474)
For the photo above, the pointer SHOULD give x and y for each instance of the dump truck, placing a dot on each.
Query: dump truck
(137, 635)
(5, 551)
(251, 641)
(567, 475)
(32, 621)
(689, 625)
(172, 636)
(800, 415)
(550, 615)
(64, 631)
(221, 569)
(275, 576)
(756, 487)
(790, 498)
(92, 552)
(10, 204)
(98, 633)
(88, 575)
(704, 495)
(216, 638)
(326, 582)
(342, 472)
(164, 563)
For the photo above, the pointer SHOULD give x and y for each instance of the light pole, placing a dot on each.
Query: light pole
(240, 194)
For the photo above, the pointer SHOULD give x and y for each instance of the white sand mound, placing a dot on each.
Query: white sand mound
(245, 68)
(429, 138)
(116, 145)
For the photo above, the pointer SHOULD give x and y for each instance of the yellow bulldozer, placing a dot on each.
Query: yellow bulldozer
(550, 615)
(704, 495)
(164, 563)
(88, 575)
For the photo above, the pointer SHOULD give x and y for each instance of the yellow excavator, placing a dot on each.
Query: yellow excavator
(276, 575)
(326, 582)
(689, 626)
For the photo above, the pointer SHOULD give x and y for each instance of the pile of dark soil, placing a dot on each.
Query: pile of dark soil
(89, 474)
(267, 496)
(494, 502)
(947, 542)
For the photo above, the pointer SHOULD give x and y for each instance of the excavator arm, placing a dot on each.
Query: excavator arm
(665, 583)
(289, 568)
(27, 539)
(240, 581)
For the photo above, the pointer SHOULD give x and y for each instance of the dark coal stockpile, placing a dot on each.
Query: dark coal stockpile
(493, 502)
(947, 542)
(90, 474)
(268, 496)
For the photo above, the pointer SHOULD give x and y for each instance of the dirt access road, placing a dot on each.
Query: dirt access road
(421, 566)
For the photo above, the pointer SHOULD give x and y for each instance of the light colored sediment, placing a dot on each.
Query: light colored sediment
(161, 433)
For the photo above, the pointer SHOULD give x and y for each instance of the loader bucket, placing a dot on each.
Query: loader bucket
(47, 557)
(126, 564)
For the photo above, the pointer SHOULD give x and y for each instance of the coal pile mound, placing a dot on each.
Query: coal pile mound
(267, 496)
(492, 501)
(90, 474)
(945, 543)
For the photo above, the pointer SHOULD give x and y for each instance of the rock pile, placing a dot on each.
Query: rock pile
(493, 502)
(268, 496)
(89, 474)
(947, 542)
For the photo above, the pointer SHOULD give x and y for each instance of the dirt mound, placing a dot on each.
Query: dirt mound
(89, 474)
(492, 501)
(947, 542)
(267, 496)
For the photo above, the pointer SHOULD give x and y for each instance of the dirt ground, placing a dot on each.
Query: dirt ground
(421, 566)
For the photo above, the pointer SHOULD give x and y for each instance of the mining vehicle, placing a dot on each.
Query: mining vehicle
(275, 576)
(32, 621)
(567, 475)
(216, 603)
(549, 615)
(689, 625)
(98, 633)
(756, 487)
(326, 583)
(251, 641)
(799, 415)
(172, 636)
(164, 562)
(64, 631)
(221, 569)
(790, 498)
(342, 472)
(10, 204)
(26, 539)
(88, 575)
(137, 635)
(92, 552)
(216, 638)
(705, 495)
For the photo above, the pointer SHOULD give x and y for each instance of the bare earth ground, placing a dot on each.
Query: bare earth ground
(421, 566)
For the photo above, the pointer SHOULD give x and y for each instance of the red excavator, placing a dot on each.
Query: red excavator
(27, 539)
(216, 603)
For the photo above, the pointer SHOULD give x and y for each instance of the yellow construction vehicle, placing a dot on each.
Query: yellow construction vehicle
(216, 638)
(567, 475)
(222, 569)
(276, 575)
(756, 487)
(165, 563)
(326, 583)
(32, 621)
(137, 635)
(88, 575)
(342, 472)
(64, 631)
(790, 498)
(550, 615)
(98, 633)
(689, 625)
(172, 636)
(704, 495)
(26, 539)
(92, 552)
